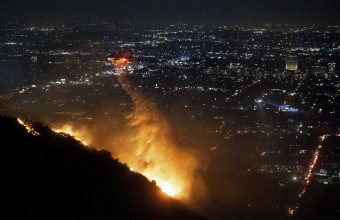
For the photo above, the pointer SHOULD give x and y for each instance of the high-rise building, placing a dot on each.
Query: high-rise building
(331, 67)
(291, 63)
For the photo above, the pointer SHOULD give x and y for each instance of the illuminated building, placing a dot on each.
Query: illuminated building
(234, 65)
(291, 63)
(331, 70)
(331, 67)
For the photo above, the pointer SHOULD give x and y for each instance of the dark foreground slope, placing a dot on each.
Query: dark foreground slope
(54, 177)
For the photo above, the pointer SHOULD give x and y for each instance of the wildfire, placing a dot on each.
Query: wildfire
(169, 184)
(67, 130)
(28, 127)
(148, 146)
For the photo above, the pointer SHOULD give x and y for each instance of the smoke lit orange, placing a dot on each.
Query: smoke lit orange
(149, 149)
(146, 145)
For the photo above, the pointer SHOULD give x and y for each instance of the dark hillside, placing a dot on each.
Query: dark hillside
(50, 176)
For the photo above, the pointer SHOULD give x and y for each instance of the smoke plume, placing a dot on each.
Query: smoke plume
(149, 148)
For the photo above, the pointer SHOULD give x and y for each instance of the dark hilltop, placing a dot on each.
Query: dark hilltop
(53, 176)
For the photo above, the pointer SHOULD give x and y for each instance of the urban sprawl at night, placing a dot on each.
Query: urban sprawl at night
(253, 110)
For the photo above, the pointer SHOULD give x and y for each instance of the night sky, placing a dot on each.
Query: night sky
(191, 11)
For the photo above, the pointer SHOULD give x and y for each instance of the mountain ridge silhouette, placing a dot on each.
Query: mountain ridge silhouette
(53, 176)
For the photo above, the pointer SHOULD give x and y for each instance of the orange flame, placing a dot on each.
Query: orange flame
(28, 127)
(68, 130)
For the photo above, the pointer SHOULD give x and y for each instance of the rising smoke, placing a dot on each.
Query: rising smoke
(149, 148)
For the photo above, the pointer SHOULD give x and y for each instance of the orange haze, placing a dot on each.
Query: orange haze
(147, 146)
